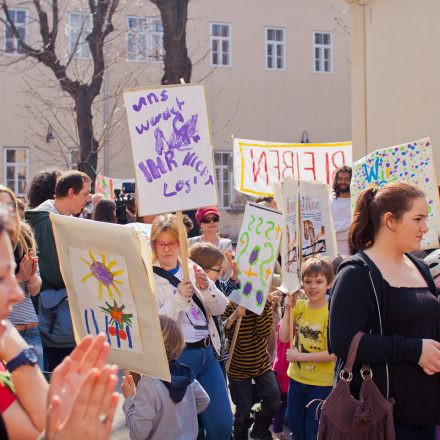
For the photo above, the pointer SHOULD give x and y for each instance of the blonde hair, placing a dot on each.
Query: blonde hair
(163, 223)
(22, 236)
(318, 266)
(172, 337)
(206, 255)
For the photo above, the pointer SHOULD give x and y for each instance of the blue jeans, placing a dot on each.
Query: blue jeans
(32, 337)
(217, 418)
(302, 421)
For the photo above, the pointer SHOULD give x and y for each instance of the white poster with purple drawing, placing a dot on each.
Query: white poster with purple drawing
(172, 149)
(105, 269)
(256, 254)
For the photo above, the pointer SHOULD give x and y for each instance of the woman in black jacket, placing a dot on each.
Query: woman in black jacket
(386, 293)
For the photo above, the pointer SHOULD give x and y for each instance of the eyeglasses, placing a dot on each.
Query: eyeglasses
(215, 270)
(163, 244)
(213, 219)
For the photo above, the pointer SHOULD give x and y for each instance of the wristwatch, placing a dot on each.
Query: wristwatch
(28, 356)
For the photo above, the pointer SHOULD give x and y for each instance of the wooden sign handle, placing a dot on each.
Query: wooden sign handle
(234, 340)
(183, 243)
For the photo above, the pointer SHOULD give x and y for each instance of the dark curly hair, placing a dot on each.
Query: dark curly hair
(42, 187)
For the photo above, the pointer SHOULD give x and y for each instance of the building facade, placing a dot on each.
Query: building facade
(272, 72)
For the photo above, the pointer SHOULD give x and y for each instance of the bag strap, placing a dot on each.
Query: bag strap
(352, 352)
(175, 282)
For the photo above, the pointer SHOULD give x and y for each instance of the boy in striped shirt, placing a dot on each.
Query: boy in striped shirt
(250, 362)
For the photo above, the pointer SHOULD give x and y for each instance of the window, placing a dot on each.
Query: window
(18, 16)
(220, 44)
(224, 177)
(144, 39)
(275, 48)
(17, 169)
(322, 52)
(80, 26)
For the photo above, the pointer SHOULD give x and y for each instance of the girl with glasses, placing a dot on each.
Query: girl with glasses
(191, 303)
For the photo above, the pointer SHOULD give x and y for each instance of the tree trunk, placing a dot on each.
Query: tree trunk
(174, 14)
(88, 145)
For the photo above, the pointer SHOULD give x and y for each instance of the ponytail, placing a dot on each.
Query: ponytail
(362, 230)
(372, 204)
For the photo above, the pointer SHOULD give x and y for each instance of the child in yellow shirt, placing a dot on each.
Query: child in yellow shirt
(311, 367)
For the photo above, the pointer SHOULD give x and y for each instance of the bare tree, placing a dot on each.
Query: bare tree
(177, 64)
(83, 92)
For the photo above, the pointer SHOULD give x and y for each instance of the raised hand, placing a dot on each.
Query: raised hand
(128, 386)
(201, 278)
(233, 265)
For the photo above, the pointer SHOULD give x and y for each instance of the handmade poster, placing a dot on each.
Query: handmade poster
(317, 232)
(107, 185)
(171, 148)
(105, 269)
(411, 162)
(290, 245)
(256, 254)
(257, 164)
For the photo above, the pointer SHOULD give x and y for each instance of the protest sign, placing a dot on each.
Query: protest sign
(317, 232)
(287, 197)
(107, 272)
(411, 162)
(256, 254)
(171, 148)
(106, 185)
(257, 164)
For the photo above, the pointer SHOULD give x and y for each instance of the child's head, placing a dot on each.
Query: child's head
(172, 337)
(317, 277)
(209, 257)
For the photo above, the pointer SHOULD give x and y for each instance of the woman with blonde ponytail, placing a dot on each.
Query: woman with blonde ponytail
(23, 315)
(383, 291)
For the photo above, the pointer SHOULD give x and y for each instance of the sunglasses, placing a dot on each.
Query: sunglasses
(163, 244)
(213, 219)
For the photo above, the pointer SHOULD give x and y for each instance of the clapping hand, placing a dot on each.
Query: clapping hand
(91, 353)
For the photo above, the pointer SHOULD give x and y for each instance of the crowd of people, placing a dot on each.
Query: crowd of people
(276, 367)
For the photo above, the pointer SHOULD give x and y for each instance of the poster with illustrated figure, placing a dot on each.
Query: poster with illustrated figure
(317, 232)
(287, 198)
(412, 163)
(106, 271)
(172, 149)
(256, 254)
(257, 164)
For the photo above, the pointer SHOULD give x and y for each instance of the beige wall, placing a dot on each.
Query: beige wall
(395, 71)
(245, 100)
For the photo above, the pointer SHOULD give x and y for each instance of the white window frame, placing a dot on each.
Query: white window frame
(274, 44)
(153, 52)
(156, 52)
(220, 42)
(7, 164)
(219, 172)
(15, 51)
(82, 45)
(321, 47)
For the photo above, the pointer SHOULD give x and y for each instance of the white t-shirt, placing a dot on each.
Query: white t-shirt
(341, 213)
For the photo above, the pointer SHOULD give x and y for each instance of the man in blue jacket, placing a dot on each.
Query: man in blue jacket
(72, 193)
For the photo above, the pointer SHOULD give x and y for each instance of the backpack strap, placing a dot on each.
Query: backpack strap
(174, 281)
